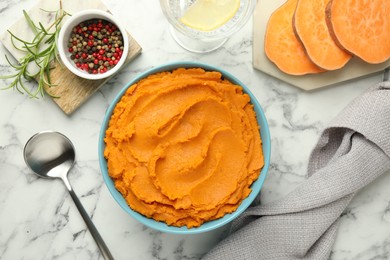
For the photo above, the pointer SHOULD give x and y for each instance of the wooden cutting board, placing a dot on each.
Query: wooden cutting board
(355, 68)
(70, 91)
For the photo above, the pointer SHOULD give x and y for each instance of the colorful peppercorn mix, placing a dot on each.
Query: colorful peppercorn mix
(96, 46)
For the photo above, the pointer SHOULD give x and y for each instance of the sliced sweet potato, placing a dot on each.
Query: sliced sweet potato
(310, 26)
(282, 46)
(361, 27)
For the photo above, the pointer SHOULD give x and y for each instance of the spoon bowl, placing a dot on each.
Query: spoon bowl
(51, 155)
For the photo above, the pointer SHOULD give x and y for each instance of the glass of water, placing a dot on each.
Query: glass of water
(201, 41)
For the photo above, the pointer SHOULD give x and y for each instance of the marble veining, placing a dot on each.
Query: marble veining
(38, 219)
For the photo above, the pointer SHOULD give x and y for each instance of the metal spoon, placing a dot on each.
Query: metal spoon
(51, 155)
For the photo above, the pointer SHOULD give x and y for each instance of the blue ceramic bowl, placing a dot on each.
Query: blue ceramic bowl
(210, 225)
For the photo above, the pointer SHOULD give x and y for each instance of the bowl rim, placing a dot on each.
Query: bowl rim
(77, 18)
(210, 225)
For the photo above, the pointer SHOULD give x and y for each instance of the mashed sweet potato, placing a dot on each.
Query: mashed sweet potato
(184, 147)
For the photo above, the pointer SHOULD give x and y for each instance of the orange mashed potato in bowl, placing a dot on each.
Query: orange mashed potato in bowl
(182, 147)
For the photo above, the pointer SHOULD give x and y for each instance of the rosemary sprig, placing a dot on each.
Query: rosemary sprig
(39, 51)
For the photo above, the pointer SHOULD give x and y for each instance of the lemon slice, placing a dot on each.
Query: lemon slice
(207, 15)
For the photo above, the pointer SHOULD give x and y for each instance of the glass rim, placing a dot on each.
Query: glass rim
(233, 25)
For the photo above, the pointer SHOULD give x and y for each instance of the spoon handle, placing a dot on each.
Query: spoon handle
(95, 234)
(386, 74)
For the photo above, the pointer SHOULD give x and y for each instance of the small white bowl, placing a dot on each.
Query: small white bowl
(66, 31)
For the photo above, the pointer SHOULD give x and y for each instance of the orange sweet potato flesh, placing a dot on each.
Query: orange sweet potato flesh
(282, 46)
(310, 26)
(361, 27)
(184, 147)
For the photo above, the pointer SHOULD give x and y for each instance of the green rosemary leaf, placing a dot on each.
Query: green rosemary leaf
(43, 29)
(24, 61)
(47, 79)
(38, 38)
(30, 22)
(14, 45)
(32, 52)
(50, 39)
(13, 38)
(46, 51)
(8, 76)
(25, 89)
(13, 84)
(12, 65)
(26, 74)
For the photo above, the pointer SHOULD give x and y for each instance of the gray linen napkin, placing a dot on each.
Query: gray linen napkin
(352, 152)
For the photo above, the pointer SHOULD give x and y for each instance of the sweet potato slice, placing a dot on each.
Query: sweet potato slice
(282, 46)
(310, 26)
(361, 27)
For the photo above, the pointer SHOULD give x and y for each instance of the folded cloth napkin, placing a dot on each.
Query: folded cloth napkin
(352, 152)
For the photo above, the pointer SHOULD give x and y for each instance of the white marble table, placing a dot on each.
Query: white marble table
(38, 219)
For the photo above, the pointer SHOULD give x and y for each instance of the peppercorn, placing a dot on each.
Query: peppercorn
(96, 46)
